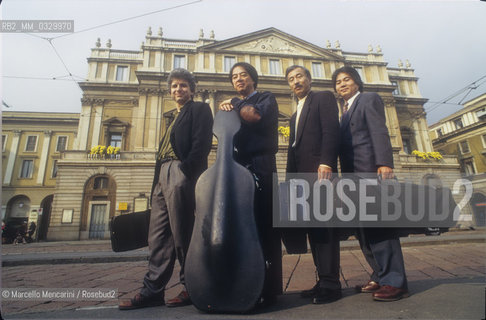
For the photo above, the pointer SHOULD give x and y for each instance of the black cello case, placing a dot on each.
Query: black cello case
(225, 267)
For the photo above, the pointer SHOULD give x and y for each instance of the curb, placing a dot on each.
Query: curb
(108, 256)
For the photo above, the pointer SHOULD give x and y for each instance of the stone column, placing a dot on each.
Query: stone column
(98, 116)
(392, 122)
(7, 179)
(258, 64)
(44, 155)
(425, 135)
(418, 138)
(84, 127)
(212, 62)
(153, 112)
(138, 121)
(199, 62)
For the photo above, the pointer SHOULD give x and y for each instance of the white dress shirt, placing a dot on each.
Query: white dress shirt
(300, 105)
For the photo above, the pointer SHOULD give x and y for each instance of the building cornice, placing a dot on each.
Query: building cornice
(108, 86)
(444, 138)
(410, 100)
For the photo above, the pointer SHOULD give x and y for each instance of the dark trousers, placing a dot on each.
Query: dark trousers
(383, 252)
(263, 167)
(170, 230)
(324, 243)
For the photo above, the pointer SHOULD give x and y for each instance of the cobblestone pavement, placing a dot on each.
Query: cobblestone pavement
(54, 247)
(429, 262)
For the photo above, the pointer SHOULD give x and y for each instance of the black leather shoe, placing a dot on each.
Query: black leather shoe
(326, 296)
(140, 301)
(310, 293)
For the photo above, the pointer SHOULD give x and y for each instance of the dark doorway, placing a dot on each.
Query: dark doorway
(478, 204)
(45, 218)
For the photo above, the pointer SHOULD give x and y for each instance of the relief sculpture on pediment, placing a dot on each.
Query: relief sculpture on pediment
(272, 45)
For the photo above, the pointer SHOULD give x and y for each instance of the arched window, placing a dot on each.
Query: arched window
(100, 183)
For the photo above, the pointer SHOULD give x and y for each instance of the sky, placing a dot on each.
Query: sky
(445, 41)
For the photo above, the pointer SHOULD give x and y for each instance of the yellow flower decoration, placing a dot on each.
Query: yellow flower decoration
(285, 131)
(427, 155)
(97, 150)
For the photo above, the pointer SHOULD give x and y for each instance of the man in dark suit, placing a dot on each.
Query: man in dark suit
(313, 148)
(366, 148)
(256, 144)
(182, 157)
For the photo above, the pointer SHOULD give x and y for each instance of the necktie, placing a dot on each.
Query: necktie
(345, 107)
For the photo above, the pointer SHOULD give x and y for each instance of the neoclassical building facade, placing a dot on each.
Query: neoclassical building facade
(32, 145)
(463, 135)
(126, 104)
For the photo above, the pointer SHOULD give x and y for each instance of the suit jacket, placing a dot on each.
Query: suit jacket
(259, 138)
(365, 143)
(191, 139)
(317, 139)
(317, 142)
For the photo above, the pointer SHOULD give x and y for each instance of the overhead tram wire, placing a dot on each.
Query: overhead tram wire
(456, 93)
(473, 85)
(63, 63)
(110, 23)
(50, 39)
(470, 90)
(61, 78)
(125, 19)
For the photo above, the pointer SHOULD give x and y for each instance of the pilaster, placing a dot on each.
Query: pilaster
(44, 155)
(98, 117)
(11, 157)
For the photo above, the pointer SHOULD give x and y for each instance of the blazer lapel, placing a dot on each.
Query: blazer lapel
(181, 116)
(303, 117)
(292, 125)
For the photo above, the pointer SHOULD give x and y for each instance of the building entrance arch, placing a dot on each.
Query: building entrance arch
(17, 215)
(98, 207)
(18, 207)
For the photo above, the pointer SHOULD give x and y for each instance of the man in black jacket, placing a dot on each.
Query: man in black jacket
(256, 144)
(182, 157)
(313, 148)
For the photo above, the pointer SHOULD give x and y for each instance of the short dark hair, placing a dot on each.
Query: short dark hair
(292, 68)
(352, 73)
(249, 69)
(182, 74)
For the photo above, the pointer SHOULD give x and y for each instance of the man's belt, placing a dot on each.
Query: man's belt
(167, 159)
